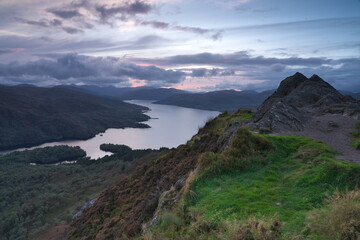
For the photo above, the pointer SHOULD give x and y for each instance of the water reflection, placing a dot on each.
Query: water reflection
(170, 127)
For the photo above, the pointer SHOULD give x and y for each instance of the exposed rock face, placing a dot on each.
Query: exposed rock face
(297, 99)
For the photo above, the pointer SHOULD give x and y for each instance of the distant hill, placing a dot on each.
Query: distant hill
(32, 115)
(129, 93)
(354, 95)
(225, 100)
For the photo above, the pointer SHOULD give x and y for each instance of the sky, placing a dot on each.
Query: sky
(195, 45)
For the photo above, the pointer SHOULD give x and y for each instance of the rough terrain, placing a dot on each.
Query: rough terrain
(334, 130)
(312, 108)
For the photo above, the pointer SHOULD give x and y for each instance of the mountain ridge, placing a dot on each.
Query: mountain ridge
(32, 115)
(222, 100)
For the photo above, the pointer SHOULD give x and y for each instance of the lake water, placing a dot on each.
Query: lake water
(170, 127)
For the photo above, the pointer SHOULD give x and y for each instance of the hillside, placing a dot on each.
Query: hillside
(128, 93)
(230, 183)
(40, 199)
(226, 100)
(32, 115)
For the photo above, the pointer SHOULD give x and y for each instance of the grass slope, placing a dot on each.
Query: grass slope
(269, 195)
(297, 178)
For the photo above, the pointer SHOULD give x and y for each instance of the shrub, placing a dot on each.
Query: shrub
(357, 144)
(253, 229)
(243, 150)
(170, 220)
(212, 164)
(264, 131)
(245, 143)
(340, 219)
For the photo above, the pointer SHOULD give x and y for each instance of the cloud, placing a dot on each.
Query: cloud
(230, 3)
(13, 50)
(204, 72)
(78, 16)
(65, 14)
(214, 34)
(62, 69)
(42, 23)
(241, 58)
(125, 10)
(38, 46)
(72, 30)
(53, 23)
(243, 71)
(155, 24)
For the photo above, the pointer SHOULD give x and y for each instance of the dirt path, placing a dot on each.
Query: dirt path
(334, 130)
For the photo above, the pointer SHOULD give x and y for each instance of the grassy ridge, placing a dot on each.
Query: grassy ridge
(276, 191)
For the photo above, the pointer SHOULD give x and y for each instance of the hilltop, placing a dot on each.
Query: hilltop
(297, 99)
(311, 107)
(230, 183)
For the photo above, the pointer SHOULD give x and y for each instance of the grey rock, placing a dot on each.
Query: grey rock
(297, 99)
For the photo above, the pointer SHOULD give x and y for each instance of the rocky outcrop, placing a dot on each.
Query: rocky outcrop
(297, 99)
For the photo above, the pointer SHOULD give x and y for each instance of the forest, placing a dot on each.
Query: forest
(38, 197)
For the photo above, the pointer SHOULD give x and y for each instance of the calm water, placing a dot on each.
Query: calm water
(170, 127)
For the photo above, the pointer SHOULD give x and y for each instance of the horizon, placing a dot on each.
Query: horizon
(192, 91)
(206, 45)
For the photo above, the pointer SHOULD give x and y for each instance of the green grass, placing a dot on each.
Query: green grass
(296, 179)
(222, 122)
(356, 136)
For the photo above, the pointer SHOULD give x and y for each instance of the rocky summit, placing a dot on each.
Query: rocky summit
(297, 100)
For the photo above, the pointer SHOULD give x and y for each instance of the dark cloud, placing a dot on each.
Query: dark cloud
(204, 72)
(241, 58)
(42, 23)
(72, 30)
(125, 10)
(65, 14)
(156, 24)
(199, 72)
(73, 67)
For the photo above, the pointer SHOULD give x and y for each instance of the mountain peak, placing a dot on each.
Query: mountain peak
(289, 84)
(297, 99)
